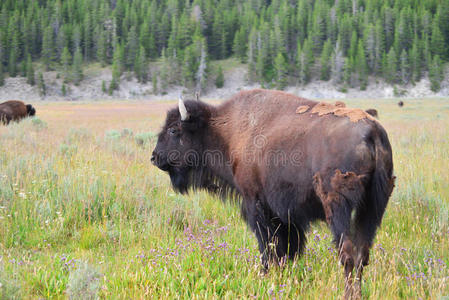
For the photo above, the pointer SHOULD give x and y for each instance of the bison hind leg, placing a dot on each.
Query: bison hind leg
(341, 194)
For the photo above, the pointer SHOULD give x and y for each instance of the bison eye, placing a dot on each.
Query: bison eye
(171, 131)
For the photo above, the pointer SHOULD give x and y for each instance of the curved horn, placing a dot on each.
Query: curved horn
(182, 109)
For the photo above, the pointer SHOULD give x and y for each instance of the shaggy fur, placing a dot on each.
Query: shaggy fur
(290, 164)
(15, 110)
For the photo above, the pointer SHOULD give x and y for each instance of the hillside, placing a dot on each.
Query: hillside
(350, 43)
(235, 79)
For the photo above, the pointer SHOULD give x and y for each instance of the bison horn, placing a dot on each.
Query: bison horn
(182, 109)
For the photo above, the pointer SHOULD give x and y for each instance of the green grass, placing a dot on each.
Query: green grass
(84, 214)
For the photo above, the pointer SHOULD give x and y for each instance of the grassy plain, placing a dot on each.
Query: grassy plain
(83, 214)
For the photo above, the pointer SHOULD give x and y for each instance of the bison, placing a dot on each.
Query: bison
(401, 103)
(15, 110)
(291, 161)
(372, 112)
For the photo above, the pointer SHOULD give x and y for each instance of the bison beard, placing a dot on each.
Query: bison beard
(346, 170)
(179, 178)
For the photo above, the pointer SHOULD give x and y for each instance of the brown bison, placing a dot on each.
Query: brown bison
(291, 161)
(401, 103)
(15, 110)
(372, 112)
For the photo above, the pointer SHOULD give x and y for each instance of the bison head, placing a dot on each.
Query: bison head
(180, 144)
(30, 110)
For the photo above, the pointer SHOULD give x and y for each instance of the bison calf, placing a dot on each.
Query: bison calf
(292, 161)
(15, 110)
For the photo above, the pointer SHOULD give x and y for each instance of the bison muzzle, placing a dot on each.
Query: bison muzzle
(291, 161)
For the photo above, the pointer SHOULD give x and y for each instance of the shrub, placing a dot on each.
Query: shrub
(145, 138)
(84, 282)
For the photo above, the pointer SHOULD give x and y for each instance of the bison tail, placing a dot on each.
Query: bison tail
(382, 182)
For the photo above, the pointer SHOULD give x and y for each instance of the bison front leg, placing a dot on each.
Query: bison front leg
(272, 236)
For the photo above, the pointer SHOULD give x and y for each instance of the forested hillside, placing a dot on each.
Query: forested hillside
(282, 41)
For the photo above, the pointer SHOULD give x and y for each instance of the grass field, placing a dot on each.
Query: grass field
(84, 215)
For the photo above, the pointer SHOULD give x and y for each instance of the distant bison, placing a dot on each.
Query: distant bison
(15, 110)
(372, 112)
(401, 103)
(291, 161)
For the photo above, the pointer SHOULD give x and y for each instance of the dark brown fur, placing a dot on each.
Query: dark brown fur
(401, 103)
(14, 110)
(343, 165)
(372, 112)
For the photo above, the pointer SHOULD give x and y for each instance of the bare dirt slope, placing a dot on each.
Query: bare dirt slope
(235, 80)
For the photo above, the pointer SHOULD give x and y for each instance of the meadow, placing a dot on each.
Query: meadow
(84, 214)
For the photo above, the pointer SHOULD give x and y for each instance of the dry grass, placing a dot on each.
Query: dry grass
(77, 189)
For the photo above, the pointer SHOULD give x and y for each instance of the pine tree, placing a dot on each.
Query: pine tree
(436, 74)
(48, 47)
(77, 67)
(30, 71)
(379, 48)
(41, 85)
(415, 60)
(281, 67)
(264, 67)
(132, 48)
(352, 52)
(154, 82)
(87, 37)
(219, 80)
(403, 34)
(189, 67)
(102, 49)
(348, 69)
(66, 59)
(442, 16)
(391, 67)
(437, 43)
(141, 66)
(240, 45)
(305, 61)
(252, 55)
(3, 49)
(23, 68)
(64, 90)
(338, 62)
(103, 87)
(219, 36)
(2, 75)
(404, 67)
(361, 66)
(12, 65)
(164, 72)
(325, 61)
(345, 33)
